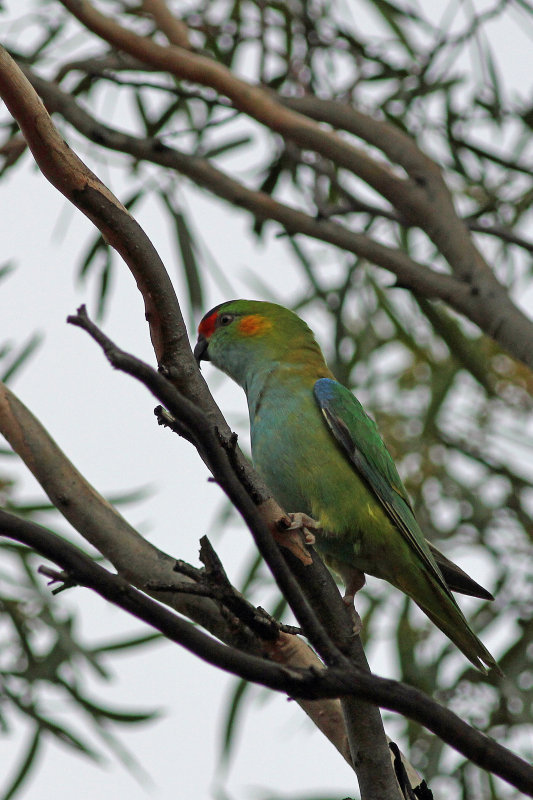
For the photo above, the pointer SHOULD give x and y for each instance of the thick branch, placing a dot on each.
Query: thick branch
(423, 200)
(208, 441)
(252, 100)
(344, 679)
(89, 513)
(410, 273)
(81, 186)
(460, 295)
(173, 28)
(68, 173)
(97, 204)
(371, 761)
(134, 558)
(86, 572)
(427, 203)
(72, 178)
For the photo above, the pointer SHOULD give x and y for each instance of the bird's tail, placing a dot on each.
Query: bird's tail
(443, 611)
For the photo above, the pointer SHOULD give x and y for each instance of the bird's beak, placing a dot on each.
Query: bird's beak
(200, 350)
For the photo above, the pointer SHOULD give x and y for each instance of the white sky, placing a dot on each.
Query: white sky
(104, 422)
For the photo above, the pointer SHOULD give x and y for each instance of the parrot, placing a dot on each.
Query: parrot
(322, 457)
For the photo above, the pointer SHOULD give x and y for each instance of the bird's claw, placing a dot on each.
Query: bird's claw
(348, 600)
(303, 522)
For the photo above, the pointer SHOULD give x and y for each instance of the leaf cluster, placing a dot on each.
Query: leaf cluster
(453, 407)
(45, 666)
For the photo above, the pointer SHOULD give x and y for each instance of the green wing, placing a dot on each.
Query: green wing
(359, 437)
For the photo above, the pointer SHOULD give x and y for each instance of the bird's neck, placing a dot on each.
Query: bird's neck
(302, 369)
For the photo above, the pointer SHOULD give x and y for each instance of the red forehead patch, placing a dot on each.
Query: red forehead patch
(207, 326)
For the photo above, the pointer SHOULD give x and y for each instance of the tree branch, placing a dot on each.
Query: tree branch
(86, 572)
(461, 295)
(100, 206)
(331, 682)
(71, 176)
(90, 514)
(173, 28)
(207, 440)
(409, 272)
(423, 200)
(427, 203)
(134, 558)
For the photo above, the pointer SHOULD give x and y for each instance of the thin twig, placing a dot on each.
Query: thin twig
(331, 682)
(208, 443)
(483, 301)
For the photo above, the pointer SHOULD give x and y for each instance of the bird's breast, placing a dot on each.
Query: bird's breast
(305, 468)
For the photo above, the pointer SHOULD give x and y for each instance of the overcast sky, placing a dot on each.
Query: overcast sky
(104, 422)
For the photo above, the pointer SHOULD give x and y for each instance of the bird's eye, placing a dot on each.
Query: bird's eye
(225, 319)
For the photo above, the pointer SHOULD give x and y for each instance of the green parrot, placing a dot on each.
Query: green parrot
(322, 456)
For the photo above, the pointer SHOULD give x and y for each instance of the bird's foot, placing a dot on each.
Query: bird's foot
(354, 580)
(348, 600)
(304, 523)
(291, 531)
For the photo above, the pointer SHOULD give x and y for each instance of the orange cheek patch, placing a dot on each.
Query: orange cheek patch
(254, 324)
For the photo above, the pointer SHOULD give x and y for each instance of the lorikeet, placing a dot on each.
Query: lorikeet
(321, 455)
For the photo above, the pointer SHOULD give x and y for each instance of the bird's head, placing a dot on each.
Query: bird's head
(241, 336)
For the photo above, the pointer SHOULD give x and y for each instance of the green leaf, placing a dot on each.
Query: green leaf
(268, 185)
(227, 146)
(6, 269)
(190, 265)
(233, 710)
(22, 356)
(125, 644)
(402, 333)
(69, 738)
(155, 125)
(121, 498)
(469, 353)
(251, 572)
(496, 105)
(26, 509)
(25, 767)
(187, 249)
(391, 14)
(105, 280)
(59, 732)
(278, 81)
(99, 711)
(132, 496)
(49, 36)
(142, 111)
(100, 253)
(98, 245)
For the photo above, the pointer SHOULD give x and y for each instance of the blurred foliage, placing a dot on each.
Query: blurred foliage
(454, 409)
(45, 667)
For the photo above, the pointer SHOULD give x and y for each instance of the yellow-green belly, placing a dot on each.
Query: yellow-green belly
(308, 472)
